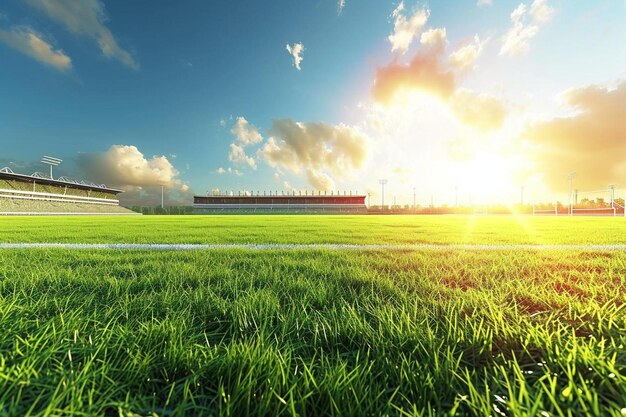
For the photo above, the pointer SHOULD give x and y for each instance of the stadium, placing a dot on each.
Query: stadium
(242, 204)
(39, 194)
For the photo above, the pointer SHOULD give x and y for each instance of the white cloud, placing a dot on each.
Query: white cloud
(405, 30)
(340, 5)
(245, 133)
(28, 42)
(125, 166)
(464, 57)
(434, 38)
(86, 18)
(481, 3)
(317, 148)
(525, 27)
(220, 171)
(319, 180)
(237, 155)
(541, 12)
(481, 111)
(295, 51)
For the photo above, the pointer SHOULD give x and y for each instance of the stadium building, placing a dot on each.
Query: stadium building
(40, 194)
(241, 204)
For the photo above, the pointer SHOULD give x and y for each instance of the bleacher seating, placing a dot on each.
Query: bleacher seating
(35, 196)
(8, 205)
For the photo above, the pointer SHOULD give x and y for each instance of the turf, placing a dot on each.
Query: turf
(312, 332)
(316, 229)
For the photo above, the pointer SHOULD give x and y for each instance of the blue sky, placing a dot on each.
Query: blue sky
(171, 80)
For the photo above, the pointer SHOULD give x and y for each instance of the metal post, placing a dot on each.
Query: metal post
(162, 196)
(570, 176)
(382, 182)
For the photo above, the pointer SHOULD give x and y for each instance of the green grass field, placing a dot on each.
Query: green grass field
(316, 229)
(313, 332)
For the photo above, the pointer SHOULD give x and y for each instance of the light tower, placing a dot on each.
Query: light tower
(612, 188)
(570, 177)
(382, 183)
(162, 184)
(49, 160)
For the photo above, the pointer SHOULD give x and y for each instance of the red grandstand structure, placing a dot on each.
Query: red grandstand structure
(280, 203)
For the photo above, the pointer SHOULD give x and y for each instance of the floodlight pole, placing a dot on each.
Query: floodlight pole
(382, 182)
(51, 161)
(570, 176)
(162, 192)
(612, 188)
(414, 205)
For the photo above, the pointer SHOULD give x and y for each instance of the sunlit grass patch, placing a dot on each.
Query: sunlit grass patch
(370, 229)
(312, 332)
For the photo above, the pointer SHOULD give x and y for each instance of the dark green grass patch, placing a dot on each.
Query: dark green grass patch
(312, 333)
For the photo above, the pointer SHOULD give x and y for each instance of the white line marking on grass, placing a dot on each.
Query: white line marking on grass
(296, 246)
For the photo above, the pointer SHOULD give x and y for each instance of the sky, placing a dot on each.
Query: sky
(459, 100)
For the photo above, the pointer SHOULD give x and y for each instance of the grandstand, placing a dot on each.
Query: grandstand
(284, 203)
(40, 194)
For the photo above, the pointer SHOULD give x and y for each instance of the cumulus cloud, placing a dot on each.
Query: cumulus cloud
(541, 12)
(320, 180)
(295, 51)
(481, 3)
(86, 18)
(434, 38)
(245, 133)
(591, 142)
(237, 155)
(220, 171)
(28, 42)
(429, 72)
(405, 30)
(317, 148)
(125, 166)
(526, 25)
(425, 72)
(482, 111)
(464, 57)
